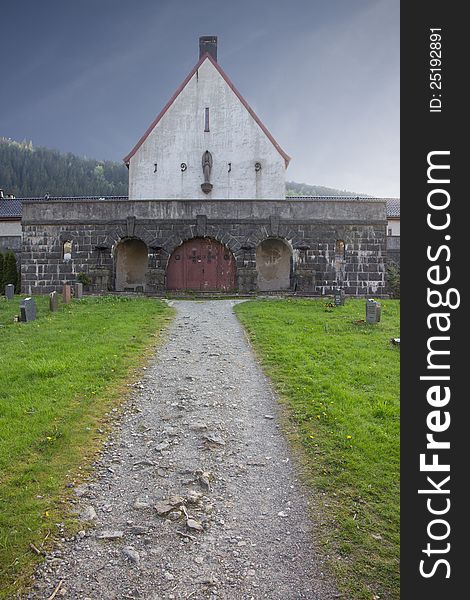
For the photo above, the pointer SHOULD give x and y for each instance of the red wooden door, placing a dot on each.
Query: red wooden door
(201, 264)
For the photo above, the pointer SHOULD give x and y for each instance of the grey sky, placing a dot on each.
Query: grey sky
(89, 76)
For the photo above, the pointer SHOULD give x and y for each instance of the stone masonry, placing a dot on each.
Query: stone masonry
(310, 227)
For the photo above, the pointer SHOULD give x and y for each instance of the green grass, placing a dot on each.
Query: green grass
(339, 383)
(60, 377)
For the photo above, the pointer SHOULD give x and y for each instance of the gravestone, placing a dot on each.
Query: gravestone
(67, 293)
(28, 310)
(53, 301)
(338, 295)
(9, 291)
(78, 290)
(373, 310)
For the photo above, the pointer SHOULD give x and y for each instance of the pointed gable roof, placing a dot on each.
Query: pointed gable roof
(158, 118)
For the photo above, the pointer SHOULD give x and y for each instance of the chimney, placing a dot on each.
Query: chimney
(208, 43)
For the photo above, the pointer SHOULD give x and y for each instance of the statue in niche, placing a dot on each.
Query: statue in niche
(206, 187)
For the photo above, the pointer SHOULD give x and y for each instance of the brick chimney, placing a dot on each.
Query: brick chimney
(208, 43)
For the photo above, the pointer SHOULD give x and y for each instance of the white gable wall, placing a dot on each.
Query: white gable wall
(234, 137)
(10, 228)
(393, 227)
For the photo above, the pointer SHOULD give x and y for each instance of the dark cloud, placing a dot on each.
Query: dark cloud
(88, 77)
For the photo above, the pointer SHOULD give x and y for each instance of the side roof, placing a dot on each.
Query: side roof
(393, 208)
(10, 208)
(207, 56)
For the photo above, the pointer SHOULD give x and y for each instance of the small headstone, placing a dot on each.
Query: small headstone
(28, 310)
(9, 291)
(78, 290)
(67, 293)
(373, 310)
(338, 294)
(53, 301)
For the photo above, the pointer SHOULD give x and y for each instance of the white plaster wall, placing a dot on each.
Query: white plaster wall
(234, 137)
(394, 225)
(10, 228)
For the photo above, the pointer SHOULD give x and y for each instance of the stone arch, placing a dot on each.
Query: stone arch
(131, 263)
(142, 233)
(274, 265)
(189, 233)
(66, 237)
(201, 264)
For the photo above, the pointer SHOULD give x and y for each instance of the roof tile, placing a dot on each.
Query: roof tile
(10, 208)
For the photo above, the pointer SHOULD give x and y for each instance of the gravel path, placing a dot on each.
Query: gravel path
(195, 495)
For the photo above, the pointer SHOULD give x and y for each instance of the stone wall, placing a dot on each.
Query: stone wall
(311, 229)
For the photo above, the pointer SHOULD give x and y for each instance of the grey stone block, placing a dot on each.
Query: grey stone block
(28, 310)
(9, 291)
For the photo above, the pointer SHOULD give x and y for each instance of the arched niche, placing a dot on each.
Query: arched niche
(273, 265)
(131, 256)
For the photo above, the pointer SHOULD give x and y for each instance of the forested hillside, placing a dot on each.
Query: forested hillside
(27, 171)
(303, 189)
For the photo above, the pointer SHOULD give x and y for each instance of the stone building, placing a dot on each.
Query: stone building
(206, 211)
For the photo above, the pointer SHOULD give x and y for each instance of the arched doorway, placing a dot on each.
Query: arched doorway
(273, 265)
(201, 264)
(131, 265)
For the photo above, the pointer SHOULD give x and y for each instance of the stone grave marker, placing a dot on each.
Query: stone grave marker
(373, 311)
(28, 310)
(78, 290)
(338, 295)
(9, 291)
(53, 301)
(67, 293)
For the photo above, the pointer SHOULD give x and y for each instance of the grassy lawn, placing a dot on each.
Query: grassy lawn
(339, 383)
(59, 377)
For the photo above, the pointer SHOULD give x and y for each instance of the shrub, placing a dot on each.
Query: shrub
(83, 278)
(393, 280)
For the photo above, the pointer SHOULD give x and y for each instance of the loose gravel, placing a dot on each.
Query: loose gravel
(195, 495)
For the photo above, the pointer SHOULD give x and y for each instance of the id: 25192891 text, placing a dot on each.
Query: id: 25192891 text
(435, 69)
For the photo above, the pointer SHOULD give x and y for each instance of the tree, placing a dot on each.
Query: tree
(393, 280)
(18, 280)
(28, 171)
(10, 272)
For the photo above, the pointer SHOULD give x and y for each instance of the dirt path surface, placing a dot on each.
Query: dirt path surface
(195, 495)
